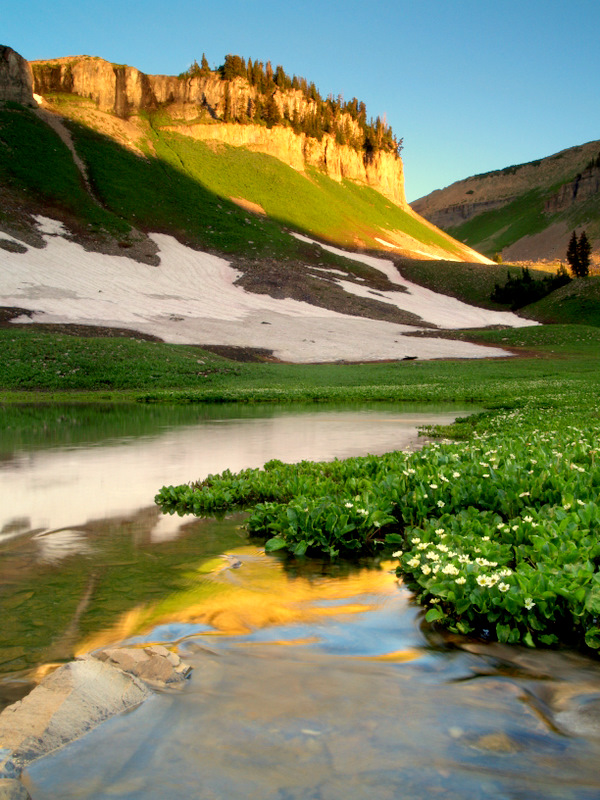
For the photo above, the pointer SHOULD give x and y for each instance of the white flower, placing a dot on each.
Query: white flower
(504, 573)
(529, 604)
(524, 494)
(432, 555)
(450, 569)
(425, 569)
(397, 554)
(441, 503)
(485, 538)
(443, 548)
(414, 562)
(528, 519)
(348, 505)
(415, 540)
(461, 580)
(433, 485)
(567, 506)
(486, 474)
(439, 531)
(435, 568)
(422, 545)
(482, 580)
(456, 474)
(504, 587)
(580, 503)
(464, 559)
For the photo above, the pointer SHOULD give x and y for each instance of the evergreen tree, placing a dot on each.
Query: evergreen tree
(584, 250)
(271, 114)
(573, 255)
(227, 111)
(204, 68)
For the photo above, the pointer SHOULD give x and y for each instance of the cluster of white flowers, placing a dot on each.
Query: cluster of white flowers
(450, 569)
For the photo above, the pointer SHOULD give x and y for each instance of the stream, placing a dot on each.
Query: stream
(311, 680)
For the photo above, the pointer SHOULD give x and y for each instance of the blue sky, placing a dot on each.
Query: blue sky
(471, 85)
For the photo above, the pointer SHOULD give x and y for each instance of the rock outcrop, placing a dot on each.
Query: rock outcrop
(79, 696)
(585, 185)
(16, 79)
(450, 216)
(197, 101)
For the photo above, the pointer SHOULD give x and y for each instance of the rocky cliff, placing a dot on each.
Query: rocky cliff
(585, 185)
(16, 80)
(196, 103)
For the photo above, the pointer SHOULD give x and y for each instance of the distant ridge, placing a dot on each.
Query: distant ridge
(524, 212)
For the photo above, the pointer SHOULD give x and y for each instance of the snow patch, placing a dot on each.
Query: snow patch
(191, 298)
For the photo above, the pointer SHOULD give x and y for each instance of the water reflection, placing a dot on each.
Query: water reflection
(83, 545)
(103, 475)
(311, 681)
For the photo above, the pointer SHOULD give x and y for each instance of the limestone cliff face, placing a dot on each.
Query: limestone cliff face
(453, 215)
(124, 91)
(16, 80)
(585, 184)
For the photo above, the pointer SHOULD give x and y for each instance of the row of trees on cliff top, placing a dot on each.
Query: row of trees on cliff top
(345, 120)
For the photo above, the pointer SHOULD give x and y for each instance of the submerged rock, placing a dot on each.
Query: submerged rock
(13, 789)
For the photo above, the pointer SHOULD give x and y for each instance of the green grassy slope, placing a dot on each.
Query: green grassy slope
(183, 186)
(494, 230)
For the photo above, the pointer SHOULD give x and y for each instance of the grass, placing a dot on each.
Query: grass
(492, 231)
(509, 516)
(471, 283)
(34, 162)
(576, 303)
(39, 366)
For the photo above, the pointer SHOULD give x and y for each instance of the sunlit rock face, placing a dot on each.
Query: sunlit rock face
(16, 79)
(124, 91)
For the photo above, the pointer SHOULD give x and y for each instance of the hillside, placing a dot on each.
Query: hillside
(123, 210)
(524, 212)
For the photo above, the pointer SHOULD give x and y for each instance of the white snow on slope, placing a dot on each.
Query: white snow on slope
(191, 298)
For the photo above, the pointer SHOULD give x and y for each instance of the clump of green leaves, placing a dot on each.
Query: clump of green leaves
(499, 537)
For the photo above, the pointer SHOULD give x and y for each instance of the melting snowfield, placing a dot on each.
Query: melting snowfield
(191, 298)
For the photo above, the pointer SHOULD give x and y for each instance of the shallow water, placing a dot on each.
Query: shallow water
(310, 680)
(81, 541)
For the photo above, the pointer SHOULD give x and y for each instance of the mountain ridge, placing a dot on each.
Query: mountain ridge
(524, 212)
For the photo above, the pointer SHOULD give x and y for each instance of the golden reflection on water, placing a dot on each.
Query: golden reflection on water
(246, 590)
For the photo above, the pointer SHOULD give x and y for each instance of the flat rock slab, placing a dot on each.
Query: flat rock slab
(66, 704)
(79, 696)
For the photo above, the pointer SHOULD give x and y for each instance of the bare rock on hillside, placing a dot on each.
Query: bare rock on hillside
(16, 79)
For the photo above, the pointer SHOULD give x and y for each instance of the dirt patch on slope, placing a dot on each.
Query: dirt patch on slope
(248, 205)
